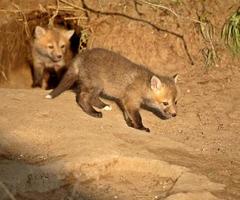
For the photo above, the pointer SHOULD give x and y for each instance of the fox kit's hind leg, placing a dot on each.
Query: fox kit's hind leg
(132, 115)
(95, 101)
(84, 100)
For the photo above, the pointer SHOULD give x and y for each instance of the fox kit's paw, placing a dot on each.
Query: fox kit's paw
(107, 108)
(145, 129)
(142, 129)
(96, 114)
(48, 96)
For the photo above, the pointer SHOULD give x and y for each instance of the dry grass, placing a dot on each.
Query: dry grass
(207, 31)
(13, 42)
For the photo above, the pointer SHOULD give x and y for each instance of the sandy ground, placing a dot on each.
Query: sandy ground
(52, 148)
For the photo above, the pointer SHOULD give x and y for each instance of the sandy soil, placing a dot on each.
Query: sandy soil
(56, 144)
(50, 149)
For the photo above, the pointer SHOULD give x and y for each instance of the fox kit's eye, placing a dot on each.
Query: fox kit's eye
(175, 102)
(50, 46)
(62, 46)
(165, 103)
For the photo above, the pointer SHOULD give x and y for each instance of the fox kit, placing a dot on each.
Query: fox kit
(102, 72)
(50, 48)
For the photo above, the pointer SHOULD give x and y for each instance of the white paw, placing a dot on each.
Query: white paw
(48, 96)
(107, 108)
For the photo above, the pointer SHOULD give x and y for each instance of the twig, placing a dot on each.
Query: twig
(159, 6)
(26, 27)
(73, 5)
(61, 8)
(168, 193)
(42, 8)
(7, 191)
(136, 3)
(171, 11)
(72, 18)
(51, 20)
(4, 75)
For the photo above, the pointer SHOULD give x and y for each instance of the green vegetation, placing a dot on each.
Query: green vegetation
(231, 32)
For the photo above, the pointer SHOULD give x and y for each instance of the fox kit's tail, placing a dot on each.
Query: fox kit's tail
(69, 78)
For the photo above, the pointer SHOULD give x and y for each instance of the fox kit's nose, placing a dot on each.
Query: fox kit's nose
(174, 114)
(59, 56)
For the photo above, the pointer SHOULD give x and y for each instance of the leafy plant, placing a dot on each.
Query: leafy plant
(231, 32)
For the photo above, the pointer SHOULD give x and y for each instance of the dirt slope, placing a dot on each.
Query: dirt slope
(193, 156)
(50, 149)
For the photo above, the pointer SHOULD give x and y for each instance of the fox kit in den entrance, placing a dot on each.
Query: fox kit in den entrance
(99, 71)
(50, 49)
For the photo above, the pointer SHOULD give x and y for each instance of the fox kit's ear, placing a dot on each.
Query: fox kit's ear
(155, 83)
(68, 34)
(175, 78)
(39, 31)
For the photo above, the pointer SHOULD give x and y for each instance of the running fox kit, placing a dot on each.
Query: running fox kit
(103, 72)
(50, 48)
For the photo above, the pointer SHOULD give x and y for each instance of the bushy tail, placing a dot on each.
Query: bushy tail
(69, 78)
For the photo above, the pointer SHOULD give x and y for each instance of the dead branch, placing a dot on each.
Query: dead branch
(143, 21)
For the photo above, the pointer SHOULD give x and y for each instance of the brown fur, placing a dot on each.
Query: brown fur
(50, 53)
(100, 71)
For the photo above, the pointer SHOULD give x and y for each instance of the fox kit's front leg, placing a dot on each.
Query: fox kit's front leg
(132, 115)
(38, 70)
(137, 120)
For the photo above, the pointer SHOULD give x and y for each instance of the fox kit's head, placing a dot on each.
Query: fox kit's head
(52, 43)
(164, 95)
